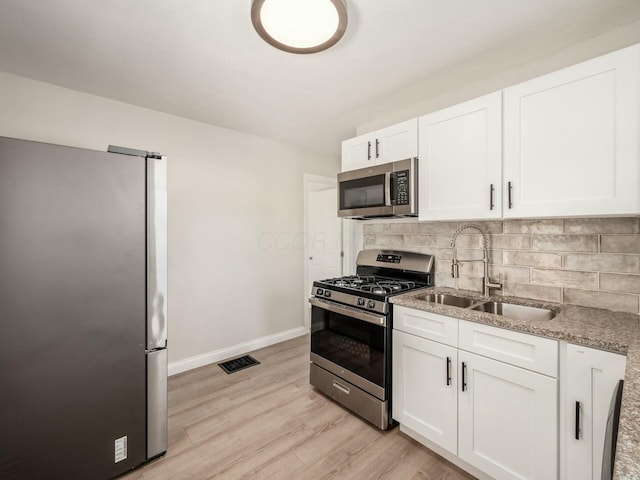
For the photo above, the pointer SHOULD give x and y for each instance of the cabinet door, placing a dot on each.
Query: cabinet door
(397, 142)
(460, 174)
(424, 397)
(572, 140)
(507, 424)
(358, 152)
(591, 376)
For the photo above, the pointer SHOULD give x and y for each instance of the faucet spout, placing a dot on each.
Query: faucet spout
(487, 284)
(461, 228)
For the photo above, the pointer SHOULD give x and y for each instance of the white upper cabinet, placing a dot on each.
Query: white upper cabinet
(461, 161)
(358, 152)
(565, 144)
(572, 140)
(397, 142)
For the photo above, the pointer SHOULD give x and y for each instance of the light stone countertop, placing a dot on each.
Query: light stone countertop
(602, 329)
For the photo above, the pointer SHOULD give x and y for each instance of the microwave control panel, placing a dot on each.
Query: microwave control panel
(401, 188)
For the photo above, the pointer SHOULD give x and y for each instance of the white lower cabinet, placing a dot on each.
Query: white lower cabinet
(487, 398)
(425, 393)
(507, 419)
(497, 420)
(591, 377)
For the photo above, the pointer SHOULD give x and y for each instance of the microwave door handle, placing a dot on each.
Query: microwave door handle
(387, 190)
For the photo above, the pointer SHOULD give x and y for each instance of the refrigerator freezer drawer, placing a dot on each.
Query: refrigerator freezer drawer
(156, 403)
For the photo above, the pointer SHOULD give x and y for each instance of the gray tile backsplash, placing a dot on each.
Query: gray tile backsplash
(620, 243)
(593, 262)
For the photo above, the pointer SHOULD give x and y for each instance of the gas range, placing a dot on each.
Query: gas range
(351, 330)
(380, 275)
(379, 286)
(366, 292)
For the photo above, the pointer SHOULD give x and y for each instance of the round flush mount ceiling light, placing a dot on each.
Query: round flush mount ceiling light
(300, 26)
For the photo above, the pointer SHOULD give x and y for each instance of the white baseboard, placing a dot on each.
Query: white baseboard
(240, 349)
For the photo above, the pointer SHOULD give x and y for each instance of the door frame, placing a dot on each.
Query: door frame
(312, 183)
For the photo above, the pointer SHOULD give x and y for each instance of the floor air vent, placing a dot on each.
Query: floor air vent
(239, 363)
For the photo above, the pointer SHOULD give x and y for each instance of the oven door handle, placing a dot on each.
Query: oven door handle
(380, 320)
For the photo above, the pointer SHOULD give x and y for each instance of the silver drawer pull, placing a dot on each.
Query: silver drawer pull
(342, 388)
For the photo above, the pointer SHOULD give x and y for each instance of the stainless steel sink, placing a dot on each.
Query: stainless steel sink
(515, 311)
(451, 300)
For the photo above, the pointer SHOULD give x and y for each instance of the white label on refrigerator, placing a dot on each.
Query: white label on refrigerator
(121, 449)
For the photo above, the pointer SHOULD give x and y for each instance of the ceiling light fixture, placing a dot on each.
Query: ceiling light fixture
(300, 26)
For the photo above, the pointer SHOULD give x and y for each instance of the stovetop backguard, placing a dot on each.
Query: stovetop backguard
(395, 260)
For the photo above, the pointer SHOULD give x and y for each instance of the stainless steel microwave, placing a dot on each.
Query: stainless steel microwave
(387, 190)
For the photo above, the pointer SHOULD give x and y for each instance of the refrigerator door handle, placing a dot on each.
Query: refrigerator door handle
(156, 403)
(156, 252)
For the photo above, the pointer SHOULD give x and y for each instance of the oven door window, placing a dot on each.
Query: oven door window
(353, 344)
(362, 193)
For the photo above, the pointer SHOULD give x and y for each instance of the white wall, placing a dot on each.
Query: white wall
(235, 212)
(463, 83)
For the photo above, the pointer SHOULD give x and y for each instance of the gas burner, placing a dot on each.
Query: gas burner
(371, 284)
(379, 289)
(397, 286)
(352, 281)
(363, 280)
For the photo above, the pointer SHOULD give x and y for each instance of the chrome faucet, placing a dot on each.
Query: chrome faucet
(487, 284)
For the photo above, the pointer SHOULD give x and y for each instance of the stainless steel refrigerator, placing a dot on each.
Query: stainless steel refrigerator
(83, 317)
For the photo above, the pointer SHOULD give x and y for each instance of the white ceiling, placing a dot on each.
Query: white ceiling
(203, 60)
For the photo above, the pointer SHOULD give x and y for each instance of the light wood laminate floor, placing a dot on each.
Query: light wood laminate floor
(267, 422)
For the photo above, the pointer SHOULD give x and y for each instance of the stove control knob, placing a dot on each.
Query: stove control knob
(327, 293)
(319, 292)
(371, 304)
(361, 302)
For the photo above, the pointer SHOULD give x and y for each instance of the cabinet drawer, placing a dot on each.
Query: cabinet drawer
(520, 349)
(429, 325)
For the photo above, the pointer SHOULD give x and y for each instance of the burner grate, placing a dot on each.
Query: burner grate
(377, 285)
(231, 366)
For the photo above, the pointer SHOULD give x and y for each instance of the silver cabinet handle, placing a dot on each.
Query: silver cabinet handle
(491, 190)
(464, 377)
(510, 194)
(368, 150)
(377, 149)
(341, 387)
